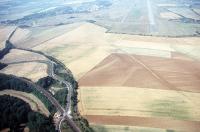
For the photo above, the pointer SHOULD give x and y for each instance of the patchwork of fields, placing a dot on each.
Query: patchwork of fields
(136, 61)
(131, 77)
(126, 82)
(143, 91)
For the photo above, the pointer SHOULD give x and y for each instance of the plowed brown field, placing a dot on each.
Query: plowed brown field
(190, 126)
(145, 72)
(142, 91)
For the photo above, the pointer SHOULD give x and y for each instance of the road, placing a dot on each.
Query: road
(150, 13)
(152, 23)
(65, 113)
(67, 84)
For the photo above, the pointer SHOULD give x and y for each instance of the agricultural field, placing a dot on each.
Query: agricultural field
(115, 59)
(20, 56)
(137, 62)
(39, 35)
(20, 35)
(114, 128)
(156, 73)
(33, 64)
(75, 47)
(31, 70)
(5, 31)
(141, 17)
(130, 102)
(176, 125)
(197, 10)
(185, 12)
(169, 15)
(127, 17)
(146, 89)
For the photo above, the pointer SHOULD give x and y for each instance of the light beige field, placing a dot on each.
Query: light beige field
(197, 10)
(169, 15)
(90, 43)
(186, 12)
(20, 56)
(19, 35)
(39, 35)
(142, 107)
(120, 128)
(5, 31)
(34, 102)
(30, 70)
(25, 64)
(143, 102)
(169, 5)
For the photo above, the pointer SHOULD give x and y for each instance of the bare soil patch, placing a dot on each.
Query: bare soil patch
(145, 72)
(180, 56)
(190, 126)
(124, 128)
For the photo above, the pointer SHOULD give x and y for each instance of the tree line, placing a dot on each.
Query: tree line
(16, 83)
(15, 113)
